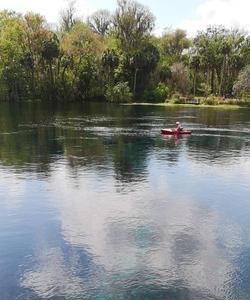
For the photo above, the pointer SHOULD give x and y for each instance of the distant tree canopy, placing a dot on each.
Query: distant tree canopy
(100, 22)
(133, 24)
(114, 56)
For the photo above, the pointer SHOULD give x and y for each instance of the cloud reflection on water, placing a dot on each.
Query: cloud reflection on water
(168, 242)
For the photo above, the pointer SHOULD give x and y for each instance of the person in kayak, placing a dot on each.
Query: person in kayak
(178, 126)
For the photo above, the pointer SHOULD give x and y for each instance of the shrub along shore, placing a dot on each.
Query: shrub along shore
(213, 102)
(210, 101)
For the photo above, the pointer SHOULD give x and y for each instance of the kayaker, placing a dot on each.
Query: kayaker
(178, 126)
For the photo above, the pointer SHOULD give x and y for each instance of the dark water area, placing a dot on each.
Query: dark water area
(96, 204)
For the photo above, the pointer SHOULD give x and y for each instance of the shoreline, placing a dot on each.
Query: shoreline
(223, 106)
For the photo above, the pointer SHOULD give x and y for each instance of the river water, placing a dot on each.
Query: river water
(96, 204)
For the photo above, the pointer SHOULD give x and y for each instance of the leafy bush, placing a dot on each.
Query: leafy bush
(243, 102)
(213, 100)
(176, 98)
(118, 93)
(205, 89)
(160, 93)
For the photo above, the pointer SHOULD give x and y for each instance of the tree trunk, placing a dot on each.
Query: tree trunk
(194, 83)
(51, 74)
(33, 82)
(212, 81)
(222, 76)
(135, 80)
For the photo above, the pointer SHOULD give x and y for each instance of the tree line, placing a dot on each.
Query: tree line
(116, 57)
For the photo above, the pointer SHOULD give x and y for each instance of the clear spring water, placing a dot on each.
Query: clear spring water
(96, 204)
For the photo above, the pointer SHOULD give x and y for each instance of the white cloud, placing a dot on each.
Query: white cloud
(11, 198)
(50, 9)
(230, 13)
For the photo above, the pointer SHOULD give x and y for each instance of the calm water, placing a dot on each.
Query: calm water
(96, 204)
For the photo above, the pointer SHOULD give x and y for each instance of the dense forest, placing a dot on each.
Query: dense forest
(115, 57)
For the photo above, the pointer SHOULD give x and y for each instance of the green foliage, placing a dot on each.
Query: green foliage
(222, 54)
(11, 55)
(115, 55)
(50, 48)
(118, 93)
(133, 23)
(159, 94)
(81, 49)
(176, 98)
(173, 44)
(215, 100)
(110, 59)
(180, 78)
(242, 85)
(211, 100)
(205, 89)
(139, 65)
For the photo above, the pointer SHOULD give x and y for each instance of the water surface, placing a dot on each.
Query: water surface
(96, 204)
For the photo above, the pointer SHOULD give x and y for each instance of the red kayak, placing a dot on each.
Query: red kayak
(170, 131)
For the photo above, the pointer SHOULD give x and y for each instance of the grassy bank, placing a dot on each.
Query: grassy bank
(211, 102)
(225, 106)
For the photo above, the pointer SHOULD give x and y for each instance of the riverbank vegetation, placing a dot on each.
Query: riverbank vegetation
(115, 57)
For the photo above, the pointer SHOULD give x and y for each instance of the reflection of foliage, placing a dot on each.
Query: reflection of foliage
(30, 149)
(129, 159)
(37, 145)
(214, 148)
